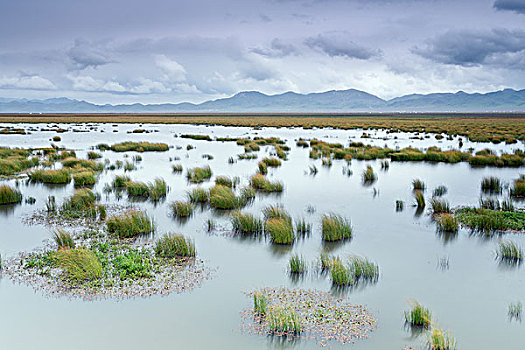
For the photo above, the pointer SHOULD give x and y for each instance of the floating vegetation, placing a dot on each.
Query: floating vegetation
(182, 209)
(335, 228)
(62, 176)
(307, 314)
(246, 223)
(509, 250)
(63, 239)
(197, 175)
(139, 147)
(418, 315)
(130, 224)
(196, 137)
(9, 195)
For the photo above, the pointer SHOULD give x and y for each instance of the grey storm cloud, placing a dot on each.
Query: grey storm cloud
(339, 44)
(277, 48)
(510, 5)
(83, 54)
(473, 48)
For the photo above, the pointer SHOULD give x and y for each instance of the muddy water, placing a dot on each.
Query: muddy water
(470, 297)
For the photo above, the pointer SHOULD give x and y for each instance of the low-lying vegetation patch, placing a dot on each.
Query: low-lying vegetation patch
(197, 175)
(139, 147)
(335, 228)
(480, 219)
(418, 315)
(9, 195)
(261, 183)
(130, 224)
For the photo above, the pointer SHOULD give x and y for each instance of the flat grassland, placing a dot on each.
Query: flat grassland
(487, 127)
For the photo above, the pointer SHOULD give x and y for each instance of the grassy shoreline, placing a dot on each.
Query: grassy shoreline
(489, 127)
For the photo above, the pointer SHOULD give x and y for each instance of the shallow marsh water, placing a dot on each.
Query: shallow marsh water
(470, 297)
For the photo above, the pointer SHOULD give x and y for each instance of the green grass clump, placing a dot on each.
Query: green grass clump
(280, 231)
(276, 212)
(79, 264)
(198, 195)
(94, 155)
(176, 168)
(420, 199)
(182, 209)
(84, 178)
(247, 194)
(260, 303)
(303, 227)
(440, 340)
(508, 250)
(157, 189)
(120, 181)
(63, 239)
(272, 162)
(418, 315)
(491, 184)
(75, 163)
(197, 175)
(137, 189)
(439, 191)
(447, 223)
(174, 245)
(227, 181)
(363, 269)
(297, 264)
(439, 206)
(139, 147)
(130, 224)
(283, 320)
(480, 219)
(9, 195)
(368, 175)
(83, 201)
(196, 137)
(518, 189)
(335, 228)
(418, 185)
(246, 223)
(515, 310)
(261, 183)
(340, 273)
(262, 168)
(62, 176)
(222, 197)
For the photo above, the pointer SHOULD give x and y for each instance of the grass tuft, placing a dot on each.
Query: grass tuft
(335, 228)
(9, 195)
(174, 245)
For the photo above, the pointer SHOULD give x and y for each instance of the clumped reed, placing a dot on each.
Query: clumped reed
(9, 195)
(340, 273)
(518, 189)
(246, 223)
(302, 227)
(222, 197)
(63, 239)
(297, 264)
(262, 168)
(62, 176)
(79, 264)
(227, 181)
(197, 175)
(139, 147)
(368, 175)
(81, 202)
(420, 199)
(276, 212)
(261, 183)
(120, 181)
(182, 209)
(491, 184)
(363, 269)
(84, 178)
(283, 320)
(272, 162)
(174, 245)
(439, 191)
(260, 304)
(198, 195)
(280, 231)
(335, 228)
(509, 250)
(130, 224)
(440, 340)
(418, 185)
(418, 315)
(176, 168)
(439, 206)
(447, 223)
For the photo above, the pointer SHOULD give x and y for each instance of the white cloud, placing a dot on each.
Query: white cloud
(172, 70)
(30, 82)
(88, 83)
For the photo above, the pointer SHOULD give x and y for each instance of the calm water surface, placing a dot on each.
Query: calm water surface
(470, 298)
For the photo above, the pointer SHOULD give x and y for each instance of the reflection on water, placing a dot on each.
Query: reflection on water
(405, 245)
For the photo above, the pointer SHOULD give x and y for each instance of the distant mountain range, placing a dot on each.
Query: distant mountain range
(339, 101)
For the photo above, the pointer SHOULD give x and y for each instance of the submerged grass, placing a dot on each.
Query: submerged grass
(297, 264)
(509, 250)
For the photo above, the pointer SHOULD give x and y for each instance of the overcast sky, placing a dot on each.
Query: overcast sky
(127, 51)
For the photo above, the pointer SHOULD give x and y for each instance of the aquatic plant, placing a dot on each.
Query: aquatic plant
(340, 273)
(276, 212)
(439, 206)
(227, 181)
(198, 195)
(439, 191)
(418, 315)
(9, 195)
(260, 303)
(297, 264)
(420, 199)
(447, 223)
(81, 202)
(335, 228)
(62, 176)
(515, 310)
(222, 197)
(518, 189)
(197, 175)
(418, 185)
(262, 168)
(303, 227)
(174, 245)
(509, 250)
(440, 340)
(130, 224)
(280, 231)
(120, 181)
(93, 155)
(196, 137)
(157, 189)
(363, 269)
(491, 184)
(399, 205)
(261, 183)
(79, 264)
(272, 162)
(368, 175)
(176, 168)
(489, 220)
(139, 147)
(182, 209)
(85, 178)
(137, 189)
(63, 239)
(246, 223)
(283, 320)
